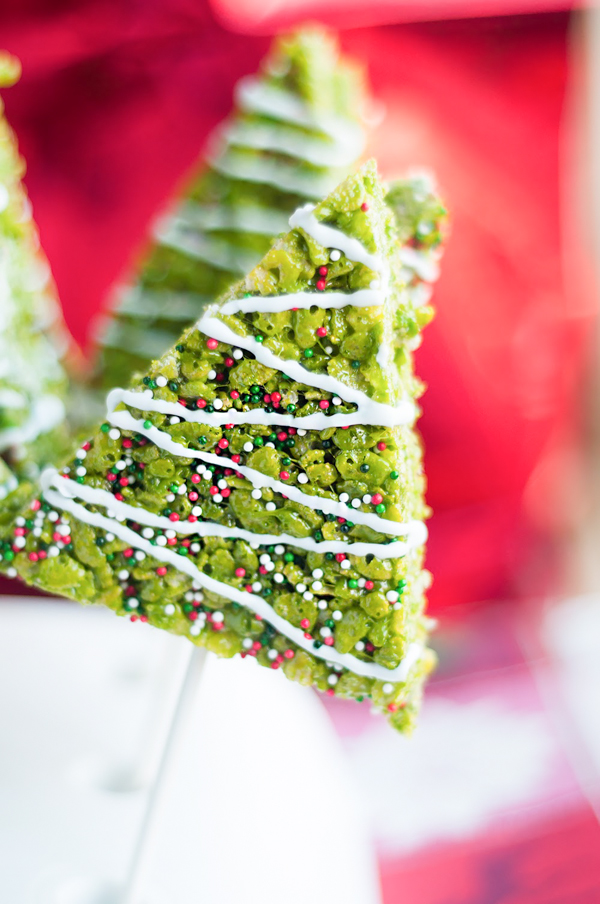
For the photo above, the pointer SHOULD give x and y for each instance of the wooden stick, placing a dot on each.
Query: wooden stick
(191, 675)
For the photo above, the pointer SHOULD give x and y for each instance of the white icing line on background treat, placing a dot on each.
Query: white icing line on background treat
(415, 531)
(282, 140)
(330, 237)
(220, 254)
(251, 601)
(371, 412)
(362, 298)
(125, 421)
(286, 177)
(244, 218)
(423, 263)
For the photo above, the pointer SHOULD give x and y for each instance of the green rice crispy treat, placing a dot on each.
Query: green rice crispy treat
(33, 384)
(260, 491)
(296, 131)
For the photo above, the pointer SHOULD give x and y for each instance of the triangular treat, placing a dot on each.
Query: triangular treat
(295, 133)
(33, 384)
(260, 491)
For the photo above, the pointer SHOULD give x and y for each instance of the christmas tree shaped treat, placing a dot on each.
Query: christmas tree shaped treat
(32, 379)
(295, 133)
(260, 490)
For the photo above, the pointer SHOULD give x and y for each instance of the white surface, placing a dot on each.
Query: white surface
(259, 800)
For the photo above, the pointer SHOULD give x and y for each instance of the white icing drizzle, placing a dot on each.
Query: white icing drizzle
(330, 237)
(362, 298)
(251, 601)
(244, 218)
(125, 421)
(371, 412)
(291, 142)
(422, 263)
(220, 254)
(415, 531)
(286, 177)
(46, 412)
(256, 96)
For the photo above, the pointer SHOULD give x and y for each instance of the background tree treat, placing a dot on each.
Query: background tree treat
(260, 490)
(296, 131)
(33, 383)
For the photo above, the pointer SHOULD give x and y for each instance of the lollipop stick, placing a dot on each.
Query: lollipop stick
(191, 675)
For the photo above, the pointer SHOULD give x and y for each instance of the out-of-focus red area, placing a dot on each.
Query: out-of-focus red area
(115, 103)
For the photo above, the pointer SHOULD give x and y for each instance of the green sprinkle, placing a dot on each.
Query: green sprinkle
(352, 584)
(364, 468)
(308, 353)
(258, 441)
(259, 338)
(380, 508)
(394, 475)
(147, 425)
(291, 408)
(288, 557)
(355, 365)
(105, 428)
(318, 535)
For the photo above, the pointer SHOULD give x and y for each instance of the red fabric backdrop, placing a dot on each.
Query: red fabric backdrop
(115, 102)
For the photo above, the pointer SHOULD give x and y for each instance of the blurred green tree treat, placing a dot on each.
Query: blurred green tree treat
(296, 131)
(260, 490)
(33, 384)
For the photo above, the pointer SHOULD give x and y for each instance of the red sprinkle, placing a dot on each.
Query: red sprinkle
(226, 492)
(33, 556)
(193, 496)
(161, 571)
(369, 585)
(376, 498)
(328, 641)
(322, 331)
(364, 206)
(339, 557)
(201, 403)
(196, 478)
(240, 572)
(223, 443)
(173, 516)
(289, 654)
(192, 518)
(128, 553)
(323, 271)
(110, 476)
(305, 623)
(211, 343)
(213, 490)
(234, 394)
(381, 446)
(284, 475)
(119, 496)
(324, 404)
(321, 285)
(276, 397)
(123, 481)
(229, 362)
(282, 436)
(182, 402)
(392, 707)
(35, 505)
(330, 692)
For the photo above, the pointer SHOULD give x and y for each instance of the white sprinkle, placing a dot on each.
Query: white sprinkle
(53, 516)
(19, 542)
(222, 484)
(20, 521)
(248, 447)
(256, 586)
(270, 506)
(265, 558)
(307, 595)
(359, 645)
(123, 574)
(247, 643)
(346, 564)
(397, 606)
(238, 353)
(361, 582)
(387, 688)
(337, 615)
(81, 453)
(325, 632)
(333, 679)
(301, 588)
(217, 498)
(344, 497)
(328, 349)
(279, 549)
(196, 511)
(169, 609)
(110, 537)
(37, 531)
(162, 381)
(317, 573)
(217, 404)
(355, 503)
(392, 596)
(212, 374)
(195, 547)
(270, 566)
(272, 654)
(335, 255)
(182, 490)
(278, 578)
(120, 466)
(80, 472)
(301, 432)
(133, 603)
(147, 533)
(53, 551)
(170, 497)
(140, 555)
(174, 420)
(367, 498)
(12, 572)
(161, 541)
(302, 478)
(316, 585)
(322, 604)
(218, 616)
(196, 628)
(114, 433)
(256, 494)
(336, 400)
